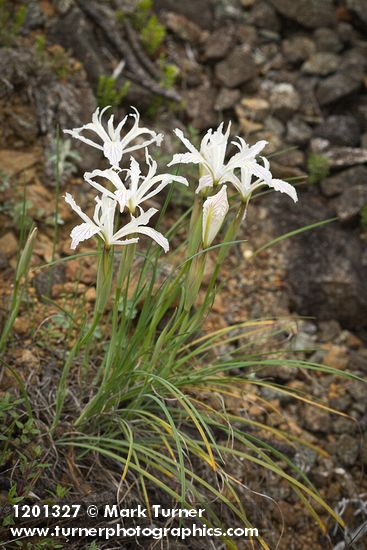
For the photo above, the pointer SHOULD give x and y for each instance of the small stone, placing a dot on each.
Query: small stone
(358, 7)
(218, 44)
(237, 68)
(364, 450)
(358, 361)
(200, 107)
(28, 359)
(343, 425)
(336, 357)
(247, 3)
(284, 100)
(316, 420)
(349, 204)
(21, 325)
(321, 63)
(340, 130)
(255, 107)
(226, 99)
(336, 87)
(336, 184)
(8, 244)
(308, 13)
(347, 449)
(329, 330)
(298, 49)
(264, 16)
(298, 131)
(90, 295)
(327, 40)
(183, 27)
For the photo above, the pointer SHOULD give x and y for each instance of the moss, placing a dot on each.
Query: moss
(109, 93)
(318, 168)
(10, 22)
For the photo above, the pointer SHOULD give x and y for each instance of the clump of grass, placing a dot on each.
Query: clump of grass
(152, 35)
(11, 22)
(110, 93)
(318, 168)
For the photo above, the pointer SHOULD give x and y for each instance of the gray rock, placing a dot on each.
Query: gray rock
(347, 449)
(327, 40)
(200, 107)
(306, 86)
(316, 420)
(199, 11)
(358, 361)
(218, 44)
(336, 87)
(264, 16)
(236, 69)
(297, 49)
(298, 132)
(321, 63)
(309, 13)
(340, 157)
(340, 130)
(226, 99)
(329, 330)
(284, 100)
(336, 184)
(358, 7)
(349, 204)
(324, 268)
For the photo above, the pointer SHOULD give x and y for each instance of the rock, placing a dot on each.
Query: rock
(226, 99)
(336, 184)
(264, 16)
(298, 49)
(349, 204)
(347, 449)
(218, 44)
(358, 7)
(358, 361)
(298, 132)
(336, 87)
(354, 63)
(343, 425)
(321, 63)
(90, 295)
(329, 330)
(327, 40)
(306, 86)
(8, 244)
(323, 266)
(21, 325)
(340, 130)
(13, 162)
(340, 157)
(336, 357)
(316, 420)
(309, 13)
(196, 10)
(183, 28)
(284, 100)
(255, 107)
(237, 68)
(200, 107)
(283, 373)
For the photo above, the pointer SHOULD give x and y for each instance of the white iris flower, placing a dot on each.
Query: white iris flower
(113, 145)
(103, 225)
(137, 188)
(246, 186)
(211, 157)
